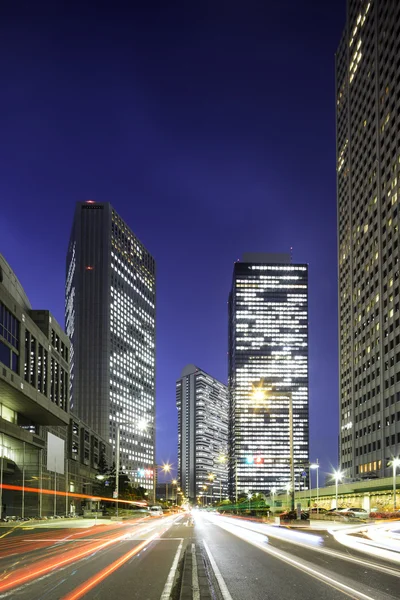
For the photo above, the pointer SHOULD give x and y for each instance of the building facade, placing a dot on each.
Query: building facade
(368, 180)
(268, 369)
(34, 390)
(110, 321)
(203, 414)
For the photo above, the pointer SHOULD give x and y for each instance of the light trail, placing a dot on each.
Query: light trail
(276, 532)
(26, 490)
(377, 546)
(34, 571)
(88, 585)
(258, 540)
(42, 540)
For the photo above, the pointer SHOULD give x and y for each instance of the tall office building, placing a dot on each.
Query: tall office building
(268, 369)
(110, 320)
(368, 178)
(203, 413)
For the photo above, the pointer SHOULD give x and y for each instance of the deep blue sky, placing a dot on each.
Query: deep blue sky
(210, 127)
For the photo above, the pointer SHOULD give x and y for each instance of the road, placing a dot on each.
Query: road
(199, 557)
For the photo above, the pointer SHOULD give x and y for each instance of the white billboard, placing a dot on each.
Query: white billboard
(55, 453)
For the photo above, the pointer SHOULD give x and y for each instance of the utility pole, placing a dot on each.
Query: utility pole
(117, 469)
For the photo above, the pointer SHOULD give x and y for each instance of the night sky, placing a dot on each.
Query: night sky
(210, 127)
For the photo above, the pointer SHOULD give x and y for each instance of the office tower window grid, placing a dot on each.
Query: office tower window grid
(203, 413)
(132, 358)
(110, 319)
(268, 351)
(368, 179)
(70, 318)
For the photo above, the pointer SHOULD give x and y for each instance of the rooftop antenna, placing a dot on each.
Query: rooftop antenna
(291, 254)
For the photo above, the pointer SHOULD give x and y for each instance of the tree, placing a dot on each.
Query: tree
(102, 465)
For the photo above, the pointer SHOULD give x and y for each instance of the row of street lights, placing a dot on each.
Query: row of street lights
(259, 395)
(337, 475)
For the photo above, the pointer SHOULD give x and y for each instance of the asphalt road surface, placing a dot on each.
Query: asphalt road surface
(218, 557)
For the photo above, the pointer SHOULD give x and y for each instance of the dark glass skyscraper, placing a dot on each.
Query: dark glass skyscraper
(110, 320)
(268, 367)
(368, 188)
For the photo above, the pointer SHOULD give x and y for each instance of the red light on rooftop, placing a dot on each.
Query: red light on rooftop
(89, 268)
(90, 201)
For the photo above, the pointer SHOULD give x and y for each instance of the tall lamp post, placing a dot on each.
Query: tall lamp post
(166, 467)
(211, 478)
(395, 464)
(174, 482)
(273, 492)
(222, 459)
(338, 477)
(315, 466)
(287, 488)
(205, 495)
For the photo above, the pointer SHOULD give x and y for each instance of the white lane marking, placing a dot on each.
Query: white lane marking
(195, 579)
(301, 566)
(171, 575)
(222, 585)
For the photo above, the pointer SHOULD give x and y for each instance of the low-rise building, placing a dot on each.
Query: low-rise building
(34, 412)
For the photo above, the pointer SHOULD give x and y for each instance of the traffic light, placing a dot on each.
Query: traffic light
(257, 460)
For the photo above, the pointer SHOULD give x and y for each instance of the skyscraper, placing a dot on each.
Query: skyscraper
(110, 320)
(203, 412)
(368, 169)
(268, 370)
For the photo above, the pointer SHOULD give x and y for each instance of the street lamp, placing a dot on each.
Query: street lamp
(249, 497)
(222, 459)
(273, 492)
(211, 477)
(338, 477)
(287, 488)
(395, 464)
(166, 468)
(258, 394)
(205, 495)
(315, 466)
(174, 482)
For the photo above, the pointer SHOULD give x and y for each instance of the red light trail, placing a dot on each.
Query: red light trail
(31, 572)
(26, 490)
(86, 586)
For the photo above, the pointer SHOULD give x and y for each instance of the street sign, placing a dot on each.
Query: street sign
(115, 494)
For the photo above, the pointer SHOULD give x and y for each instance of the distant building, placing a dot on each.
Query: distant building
(368, 197)
(34, 391)
(166, 492)
(110, 319)
(202, 403)
(268, 365)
